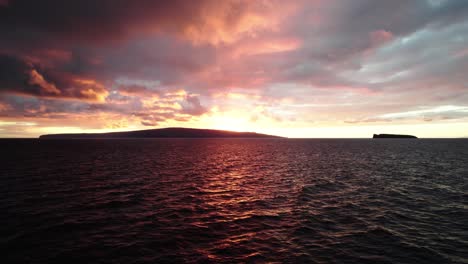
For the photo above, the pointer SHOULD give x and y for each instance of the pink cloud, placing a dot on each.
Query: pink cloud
(380, 37)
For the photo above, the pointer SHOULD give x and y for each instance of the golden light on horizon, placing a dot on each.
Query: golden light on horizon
(276, 67)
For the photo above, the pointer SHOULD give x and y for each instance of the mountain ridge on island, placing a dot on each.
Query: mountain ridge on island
(170, 132)
(393, 136)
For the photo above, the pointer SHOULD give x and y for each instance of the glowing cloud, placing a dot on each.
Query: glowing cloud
(294, 68)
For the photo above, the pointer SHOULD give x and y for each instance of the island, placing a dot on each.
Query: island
(171, 132)
(392, 136)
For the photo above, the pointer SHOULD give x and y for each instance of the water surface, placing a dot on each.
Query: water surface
(234, 200)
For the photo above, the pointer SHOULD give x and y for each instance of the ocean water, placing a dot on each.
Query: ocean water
(234, 201)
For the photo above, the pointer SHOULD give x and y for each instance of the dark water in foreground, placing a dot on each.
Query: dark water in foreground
(234, 200)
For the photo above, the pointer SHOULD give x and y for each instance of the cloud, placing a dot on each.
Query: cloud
(445, 112)
(151, 63)
(109, 20)
(136, 90)
(20, 76)
(192, 106)
(148, 111)
(36, 78)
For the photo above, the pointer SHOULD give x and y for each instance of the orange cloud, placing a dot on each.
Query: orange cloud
(228, 21)
(36, 78)
(4, 107)
(266, 46)
(91, 89)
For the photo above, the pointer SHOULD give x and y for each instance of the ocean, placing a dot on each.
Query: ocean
(234, 201)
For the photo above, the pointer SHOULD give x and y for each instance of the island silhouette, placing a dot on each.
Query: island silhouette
(392, 136)
(171, 132)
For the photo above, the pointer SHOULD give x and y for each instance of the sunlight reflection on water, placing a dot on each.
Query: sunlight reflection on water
(234, 200)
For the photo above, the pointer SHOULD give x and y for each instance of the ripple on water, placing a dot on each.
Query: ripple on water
(231, 201)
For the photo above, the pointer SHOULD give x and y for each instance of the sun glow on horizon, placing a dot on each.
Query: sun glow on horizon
(288, 68)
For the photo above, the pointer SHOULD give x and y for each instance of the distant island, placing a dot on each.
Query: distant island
(172, 132)
(392, 136)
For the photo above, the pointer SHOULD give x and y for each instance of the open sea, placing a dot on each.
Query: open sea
(234, 201)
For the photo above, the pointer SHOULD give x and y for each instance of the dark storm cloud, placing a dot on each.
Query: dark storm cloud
(72, 40)
(107, 21)
(18, 75)
(14, 73)
(91, 20)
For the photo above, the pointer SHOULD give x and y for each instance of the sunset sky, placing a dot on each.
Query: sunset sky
(289, 68)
